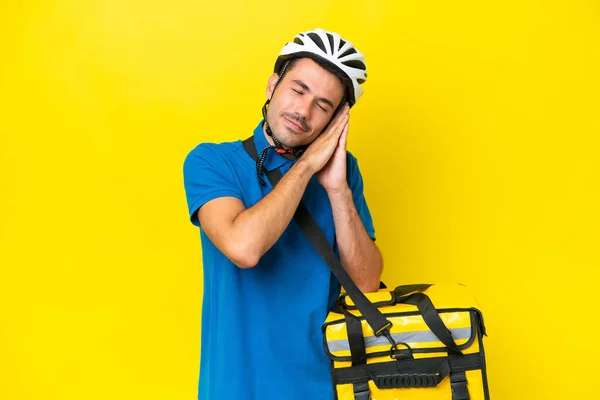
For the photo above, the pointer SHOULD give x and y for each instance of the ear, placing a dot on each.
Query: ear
(271, 85)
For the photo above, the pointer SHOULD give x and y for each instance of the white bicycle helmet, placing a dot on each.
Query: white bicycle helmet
(331, 48)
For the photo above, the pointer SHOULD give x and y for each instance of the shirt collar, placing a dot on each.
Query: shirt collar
(273, 159)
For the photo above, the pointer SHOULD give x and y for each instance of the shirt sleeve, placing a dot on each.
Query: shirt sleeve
(207, 176)
(355, 181)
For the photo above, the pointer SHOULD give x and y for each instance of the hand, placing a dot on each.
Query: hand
(320, 151)
(333, 176)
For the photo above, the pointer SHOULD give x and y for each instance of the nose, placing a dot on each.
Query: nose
(303, 107)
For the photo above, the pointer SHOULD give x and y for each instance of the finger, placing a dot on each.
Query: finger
(336, 133)
(344, 136)
(343, 113)
(339, 118)
(341, 121)
(335, 130)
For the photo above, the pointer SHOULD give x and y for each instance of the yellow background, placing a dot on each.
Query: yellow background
(477, 136)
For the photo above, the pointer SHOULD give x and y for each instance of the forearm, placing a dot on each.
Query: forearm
(260, 226)
(358, 254)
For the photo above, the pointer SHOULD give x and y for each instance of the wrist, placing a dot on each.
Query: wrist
(339, 193)
(304, 168)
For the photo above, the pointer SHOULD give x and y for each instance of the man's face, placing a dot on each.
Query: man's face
(303, 103)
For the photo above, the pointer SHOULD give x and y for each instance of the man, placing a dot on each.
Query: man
(266, 290)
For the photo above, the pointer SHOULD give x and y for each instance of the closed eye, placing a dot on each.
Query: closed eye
(301, 93)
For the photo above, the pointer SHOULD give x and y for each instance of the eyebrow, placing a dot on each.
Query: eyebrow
(305, 87)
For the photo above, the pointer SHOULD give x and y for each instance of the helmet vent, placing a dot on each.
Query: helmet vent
(330, 37)
(298, 41)
(351, 50)
(317, 39)
(355, 64)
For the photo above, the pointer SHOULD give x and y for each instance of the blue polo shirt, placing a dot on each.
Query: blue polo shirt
(261, 327)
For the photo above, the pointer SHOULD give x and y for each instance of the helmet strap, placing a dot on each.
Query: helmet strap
(278, 147)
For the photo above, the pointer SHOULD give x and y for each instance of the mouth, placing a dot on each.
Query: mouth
(295, 126)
